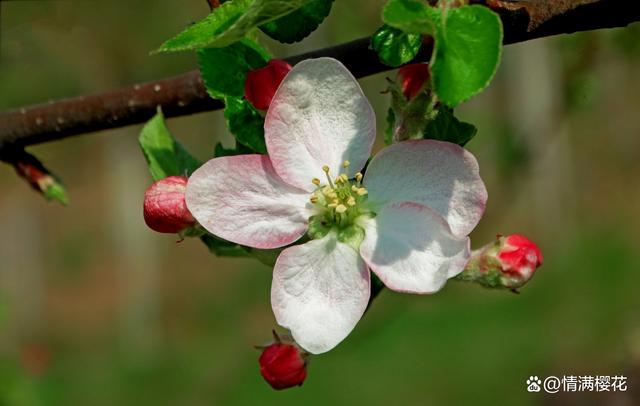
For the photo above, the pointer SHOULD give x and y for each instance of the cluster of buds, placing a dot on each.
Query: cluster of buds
(283, 364)
(261, 84)
(165, 209)
(509, 262)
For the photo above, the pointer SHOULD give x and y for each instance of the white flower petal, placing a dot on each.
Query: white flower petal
(437, 174)
(319, 116)
(320, 290)
(241, 199)
(411, 248)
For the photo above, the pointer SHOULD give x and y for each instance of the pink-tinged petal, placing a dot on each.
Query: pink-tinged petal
(411, 248)
(441, 175)
(241, 199)
(320, 290)
(319, 116)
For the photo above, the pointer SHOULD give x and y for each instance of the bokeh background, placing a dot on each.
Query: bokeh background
(95, 309)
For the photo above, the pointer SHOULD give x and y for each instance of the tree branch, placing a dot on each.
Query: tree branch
(185, 94)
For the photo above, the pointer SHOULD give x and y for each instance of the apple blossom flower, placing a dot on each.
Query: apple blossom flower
(165, 209)
(283, 364)
(261, 84)
(407, 219)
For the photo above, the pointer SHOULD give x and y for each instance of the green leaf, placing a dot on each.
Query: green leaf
(446, 127)
(467, 53)
(230, 23)
(222, 247)
(240, 149)
(164, 154)
(411, 16)
(220, 150)
(298, 25)
(245, 123)
(224, 70)
(395, 47)
(207, 30)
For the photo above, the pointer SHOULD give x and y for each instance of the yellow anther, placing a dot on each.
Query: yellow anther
(339, 180)
(325, 169)
(362, 191)
(314, 199)
(315, 181)
(341, 208)
(358, 177)
(354, 188)
(344, 178)
(332, 205)
(346, 164)
(351, 201)
(326, 190)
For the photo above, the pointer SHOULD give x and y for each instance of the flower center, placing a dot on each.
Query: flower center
(338, 203)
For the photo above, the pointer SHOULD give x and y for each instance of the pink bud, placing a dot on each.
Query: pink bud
(508, 262)
(261, 84)
(165, 209)
(283, 365)
(413, 79)
(519, 258)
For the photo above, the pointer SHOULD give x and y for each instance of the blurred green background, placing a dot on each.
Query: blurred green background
(95, 309)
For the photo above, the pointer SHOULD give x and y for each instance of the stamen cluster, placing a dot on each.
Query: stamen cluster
(340, 199)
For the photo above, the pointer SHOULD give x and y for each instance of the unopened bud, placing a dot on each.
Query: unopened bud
(413, 78)
(509, 262)
(283, 364)
(165, 209)
(39, 177)
(261, 84)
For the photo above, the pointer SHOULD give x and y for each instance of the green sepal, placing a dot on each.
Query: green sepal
(407, 119)
(352, 235)
(391, 121)
(319, 227)
(165, 156)
(299, 24)
(395, 47)
(223, 248)
(245, 123)
(224, 70)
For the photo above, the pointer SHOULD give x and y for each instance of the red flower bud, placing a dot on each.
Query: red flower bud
(261, 84)
(283, 365)
(165, 209)
(508, 262)
(413, 79)
(519, 258)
